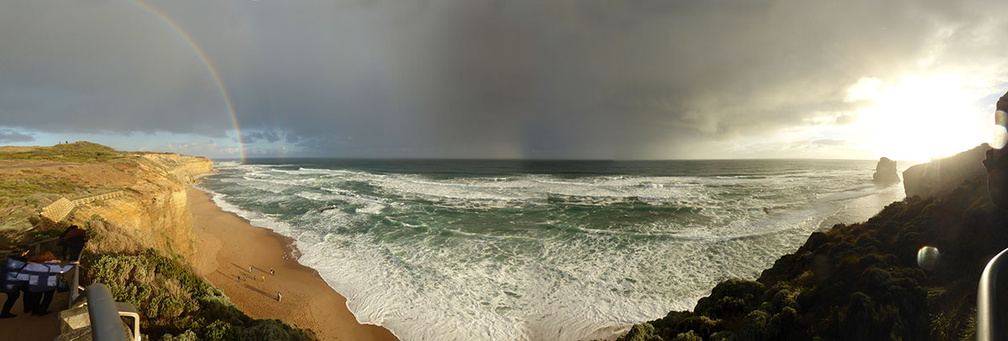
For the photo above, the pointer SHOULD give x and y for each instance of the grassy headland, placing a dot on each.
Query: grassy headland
(142, 262)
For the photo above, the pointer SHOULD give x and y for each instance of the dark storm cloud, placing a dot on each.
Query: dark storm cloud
(101, 66)
(473, 78)
(8, 136)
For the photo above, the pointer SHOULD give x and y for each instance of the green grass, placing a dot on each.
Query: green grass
(70, 152)
(24, 186)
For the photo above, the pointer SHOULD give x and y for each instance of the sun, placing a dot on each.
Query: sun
(920, 118)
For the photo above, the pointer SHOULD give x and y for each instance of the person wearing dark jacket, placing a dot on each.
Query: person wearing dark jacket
(13, 282)
(73, 239)
(42, 272)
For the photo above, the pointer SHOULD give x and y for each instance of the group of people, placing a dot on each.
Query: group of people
(38, 278)
(263, 277)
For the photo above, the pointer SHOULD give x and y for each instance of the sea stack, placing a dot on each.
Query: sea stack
(885, 172)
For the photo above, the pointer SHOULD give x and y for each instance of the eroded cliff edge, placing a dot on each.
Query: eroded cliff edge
(140, 192)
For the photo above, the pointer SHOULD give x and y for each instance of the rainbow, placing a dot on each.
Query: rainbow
(206, 62)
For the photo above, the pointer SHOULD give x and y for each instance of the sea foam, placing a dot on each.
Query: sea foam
(534, 256)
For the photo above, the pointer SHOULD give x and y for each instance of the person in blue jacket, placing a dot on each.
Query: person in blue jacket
(12, 282)
(42, 272)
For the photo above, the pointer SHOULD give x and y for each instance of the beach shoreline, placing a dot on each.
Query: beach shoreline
(227, 245)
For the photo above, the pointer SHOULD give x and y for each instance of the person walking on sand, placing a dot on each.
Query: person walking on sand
(250, 269)
(264, 278)
(279, 296)
(271, 272)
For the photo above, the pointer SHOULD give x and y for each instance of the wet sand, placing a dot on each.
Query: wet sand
(227, 245)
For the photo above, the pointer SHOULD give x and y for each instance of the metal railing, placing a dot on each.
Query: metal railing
(992, 317)
(106, 325)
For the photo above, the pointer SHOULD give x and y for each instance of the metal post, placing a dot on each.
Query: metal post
(105, 322)
(992, 299)
(74, 286)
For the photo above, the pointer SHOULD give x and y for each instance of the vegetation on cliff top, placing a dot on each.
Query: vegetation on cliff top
(68, 152)
(174, 303)
(860, 281)
(32, 177)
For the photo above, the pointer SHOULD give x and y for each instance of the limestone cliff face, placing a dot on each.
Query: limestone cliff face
(153, 208)
(943, 174)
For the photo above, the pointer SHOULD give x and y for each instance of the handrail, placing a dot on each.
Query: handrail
(74, 285)
(991, 315)
(104, 315)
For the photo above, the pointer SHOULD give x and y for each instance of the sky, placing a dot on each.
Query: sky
(516, 79)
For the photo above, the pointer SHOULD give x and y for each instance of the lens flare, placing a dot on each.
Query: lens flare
(999, 133)
(928, 257)
(998, 137)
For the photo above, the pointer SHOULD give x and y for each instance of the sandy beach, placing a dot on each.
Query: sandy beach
(228, 245)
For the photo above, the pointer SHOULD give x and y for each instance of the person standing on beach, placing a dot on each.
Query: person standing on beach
(271, 272)
(279, 296)
(264, 278)
(250, 269)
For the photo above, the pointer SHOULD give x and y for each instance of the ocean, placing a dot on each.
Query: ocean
(540, 250)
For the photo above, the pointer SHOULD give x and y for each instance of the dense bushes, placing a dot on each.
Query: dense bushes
(860, 281)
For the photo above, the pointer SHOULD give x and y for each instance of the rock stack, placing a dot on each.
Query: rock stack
(885, 172)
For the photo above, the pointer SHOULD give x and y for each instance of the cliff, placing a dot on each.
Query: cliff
(134, 207)
(944, 174)
(142, 193)
(154, 206)
(862, 281)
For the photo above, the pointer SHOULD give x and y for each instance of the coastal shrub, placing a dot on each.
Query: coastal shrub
(275, 330)
(755, 326)
(172, 300)
(677, 322)
(731, 299)
(143, 282)
(687, 336)
(641, 332)
(221, 330)
(782, 325)
(188, 335)
(861, 281)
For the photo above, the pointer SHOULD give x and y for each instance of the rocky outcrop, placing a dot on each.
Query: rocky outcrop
(943, 174)
(885, 172)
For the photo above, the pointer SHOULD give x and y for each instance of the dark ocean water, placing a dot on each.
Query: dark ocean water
(529, 250)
